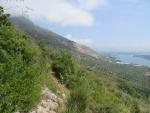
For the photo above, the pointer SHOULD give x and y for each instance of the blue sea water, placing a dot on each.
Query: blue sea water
(131, 59)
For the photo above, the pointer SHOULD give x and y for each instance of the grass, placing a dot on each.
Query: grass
(25, 68)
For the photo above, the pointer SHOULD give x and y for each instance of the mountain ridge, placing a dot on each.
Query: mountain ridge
(51, 38)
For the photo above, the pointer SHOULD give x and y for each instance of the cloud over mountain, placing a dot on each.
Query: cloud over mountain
(84, 41)
(63, 12)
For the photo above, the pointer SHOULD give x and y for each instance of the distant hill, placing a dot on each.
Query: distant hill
(52, 39)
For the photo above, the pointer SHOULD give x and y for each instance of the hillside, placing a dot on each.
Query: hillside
(87, 57)
(52, 39)
(134, 76)
(34, 72)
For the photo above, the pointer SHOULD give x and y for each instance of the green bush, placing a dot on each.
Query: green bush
(63, 66)
(127, 88)
(77, 79)
(19, 89)
(13, 44)
(135, 108)
(78, 101)
(4, 18)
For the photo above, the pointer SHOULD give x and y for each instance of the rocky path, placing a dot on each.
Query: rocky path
(49, 104)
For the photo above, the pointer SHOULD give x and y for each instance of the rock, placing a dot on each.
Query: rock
(52, 96)
(63, 95)
(51, 112)
(49, 104)
(44, 104)
(33, 112)
(52, 105)
(49, 94)
(40, 109)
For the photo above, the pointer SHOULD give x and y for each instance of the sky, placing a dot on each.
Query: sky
(104, 25)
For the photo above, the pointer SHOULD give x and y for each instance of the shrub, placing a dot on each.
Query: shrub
(77, 79)
(127, 88)
(19, 89)
(63, 66)
(78, 101)
(135, 108)
(13, 44)
(4, 18)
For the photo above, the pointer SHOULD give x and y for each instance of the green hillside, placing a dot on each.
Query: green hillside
(87, 57)
(28, 57)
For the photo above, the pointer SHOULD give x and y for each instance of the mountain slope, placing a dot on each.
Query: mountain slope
(52, 39)
(84, 55)
(28, 65)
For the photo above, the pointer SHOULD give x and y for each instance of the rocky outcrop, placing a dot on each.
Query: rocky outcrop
(49, 104)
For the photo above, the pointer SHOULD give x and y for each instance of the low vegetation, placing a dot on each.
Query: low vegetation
(21, 75)
(25, 68)
(93, 94)
(18, 77)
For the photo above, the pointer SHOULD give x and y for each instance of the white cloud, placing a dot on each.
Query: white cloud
(92, 4)
(62, 12)
(84, 41)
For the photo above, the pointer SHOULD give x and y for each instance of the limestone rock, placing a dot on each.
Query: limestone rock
(49, 103)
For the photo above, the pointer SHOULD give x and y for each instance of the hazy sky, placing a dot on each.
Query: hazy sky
(105, 25)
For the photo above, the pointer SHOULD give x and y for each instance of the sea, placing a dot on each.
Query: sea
(130, 58)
